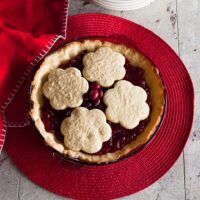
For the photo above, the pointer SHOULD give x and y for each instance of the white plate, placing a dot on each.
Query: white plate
(121, 5)
(124, 3)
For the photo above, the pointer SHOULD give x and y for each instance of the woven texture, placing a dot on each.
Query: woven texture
(27, 150)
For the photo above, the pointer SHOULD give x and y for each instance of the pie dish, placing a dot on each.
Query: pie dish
(119, 100)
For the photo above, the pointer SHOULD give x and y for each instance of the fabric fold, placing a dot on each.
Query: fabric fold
(28, 31)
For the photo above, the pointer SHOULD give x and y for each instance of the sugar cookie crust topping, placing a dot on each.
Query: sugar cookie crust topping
(85, 130)
(65, 88)
(104, 66)
(126, 104)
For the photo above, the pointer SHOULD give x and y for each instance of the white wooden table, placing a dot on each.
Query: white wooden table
(178, 23)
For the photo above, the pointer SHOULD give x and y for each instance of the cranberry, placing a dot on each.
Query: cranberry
(101, 107)
(95, 86)
(48, 119)
(111, 141)
(97, 102)
(127, 75)
(106, 147)
(94, 94)
(73, 61)
(68, 113)
(85, 97)
(148, 92)
(140, 72)
(100, 93)
(133, 136)
(123, 139)
(142, 83)
(88, 105)
(118, 145)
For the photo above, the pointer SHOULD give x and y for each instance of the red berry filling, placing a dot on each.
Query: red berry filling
(52, 119)
(94, 95)
(95, 86)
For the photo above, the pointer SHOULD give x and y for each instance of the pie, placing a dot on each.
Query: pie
(97, 101)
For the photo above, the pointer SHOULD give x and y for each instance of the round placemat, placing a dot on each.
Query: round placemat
(37, 161)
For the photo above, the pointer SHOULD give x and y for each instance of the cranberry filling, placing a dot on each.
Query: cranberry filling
(52, 119)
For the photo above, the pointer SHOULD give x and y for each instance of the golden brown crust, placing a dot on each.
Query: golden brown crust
(71, 50)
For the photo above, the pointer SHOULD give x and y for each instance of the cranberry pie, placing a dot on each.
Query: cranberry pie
(97, 101)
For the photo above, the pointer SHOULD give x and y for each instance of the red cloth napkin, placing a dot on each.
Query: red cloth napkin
(28, 30)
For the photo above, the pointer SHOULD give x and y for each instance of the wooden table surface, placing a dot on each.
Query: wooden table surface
(178, 23)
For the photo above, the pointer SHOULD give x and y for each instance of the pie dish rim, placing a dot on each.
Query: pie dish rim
(69, 154)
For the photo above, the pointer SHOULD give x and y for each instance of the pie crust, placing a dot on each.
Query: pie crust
(71, 50)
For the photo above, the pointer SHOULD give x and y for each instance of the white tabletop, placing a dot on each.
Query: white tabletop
(178, 23)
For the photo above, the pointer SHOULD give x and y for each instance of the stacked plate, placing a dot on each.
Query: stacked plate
(123, 4)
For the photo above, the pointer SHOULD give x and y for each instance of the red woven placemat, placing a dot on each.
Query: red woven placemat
(27, 150)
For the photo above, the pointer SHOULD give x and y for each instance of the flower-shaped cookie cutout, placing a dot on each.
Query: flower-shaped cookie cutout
(85, 130)
(104, 66)
(65, 88)
(126, 104)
